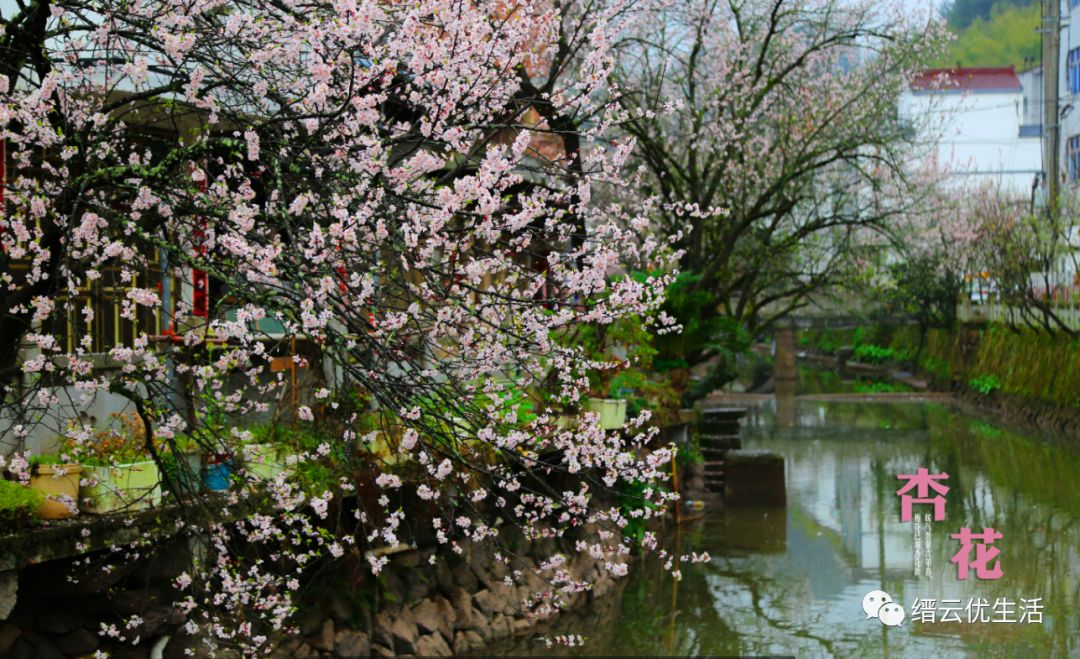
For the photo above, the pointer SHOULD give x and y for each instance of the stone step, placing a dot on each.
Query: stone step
(714, 427)
(702, 436)
(719, 439)
(717, 444)
(723, 413)
(729, 440)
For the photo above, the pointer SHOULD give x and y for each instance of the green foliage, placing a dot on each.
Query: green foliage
(631, 496)
(664, 365)
(875, 354)
(826, 342)
(689, 455)
(18, 504)
(626, 339)
(986, 430)
(630, 348)
(826, 346)
(704, 331)
(1006, 35)
(46, 459)
(879, 387)
(962, 13)
(937, 368)
(1027, 364)
(640, 391)
(985, 384)
(314, 476)
(925, 290)
(442, 410)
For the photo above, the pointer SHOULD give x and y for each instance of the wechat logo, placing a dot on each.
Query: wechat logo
(879, 604)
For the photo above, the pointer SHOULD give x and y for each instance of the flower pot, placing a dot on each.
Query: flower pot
(384, 447)
(612, 412)
(566, 421)
(60, 485)
(123, 487)
(217, 474)
(264, 461)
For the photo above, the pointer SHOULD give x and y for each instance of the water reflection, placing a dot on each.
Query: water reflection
(792, 582)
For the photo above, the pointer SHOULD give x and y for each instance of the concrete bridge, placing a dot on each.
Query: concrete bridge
(836, 322)
(786, 353)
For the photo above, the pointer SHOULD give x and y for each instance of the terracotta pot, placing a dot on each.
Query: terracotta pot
(60, 485)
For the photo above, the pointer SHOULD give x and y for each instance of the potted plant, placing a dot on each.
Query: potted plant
(612, 411)
(263, 460)
(19, 504)
(264, 454)
(601, 400)
(119, 475)
(182, 460)
(58, 481)
(217, 472)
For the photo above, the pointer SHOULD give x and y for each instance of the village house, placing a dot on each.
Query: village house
(973, 123)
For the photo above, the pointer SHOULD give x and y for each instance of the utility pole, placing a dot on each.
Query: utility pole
(1051, 52)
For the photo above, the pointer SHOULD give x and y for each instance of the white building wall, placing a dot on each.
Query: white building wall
(1032, 82)
(975, 136)
(1069, 94)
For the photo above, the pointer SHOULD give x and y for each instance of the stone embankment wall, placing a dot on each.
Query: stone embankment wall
(1030, 376)
(458, 605)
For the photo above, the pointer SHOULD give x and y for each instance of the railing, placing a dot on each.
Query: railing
(994, 311)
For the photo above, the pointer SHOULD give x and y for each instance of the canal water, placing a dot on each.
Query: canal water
(792, 581)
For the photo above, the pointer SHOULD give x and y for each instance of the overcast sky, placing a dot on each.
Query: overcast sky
(923, 5)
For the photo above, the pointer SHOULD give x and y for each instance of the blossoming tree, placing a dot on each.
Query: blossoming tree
(366, 178)
(769, 130)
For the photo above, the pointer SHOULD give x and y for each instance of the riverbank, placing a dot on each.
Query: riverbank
(457, 606)
(791, 581)
(1016, 376)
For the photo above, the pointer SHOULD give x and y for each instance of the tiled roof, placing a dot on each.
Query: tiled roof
(975, 79)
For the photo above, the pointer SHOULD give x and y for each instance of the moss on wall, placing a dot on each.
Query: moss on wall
(1024, 363)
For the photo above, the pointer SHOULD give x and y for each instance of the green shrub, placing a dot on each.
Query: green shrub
(874, 354)
(18, 504)
(826, 345)
(879, 387)
(46, 459)
(985, 384)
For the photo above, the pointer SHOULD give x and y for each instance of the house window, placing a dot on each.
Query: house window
(1072, 155)
(1073, 70)
(107, 328)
